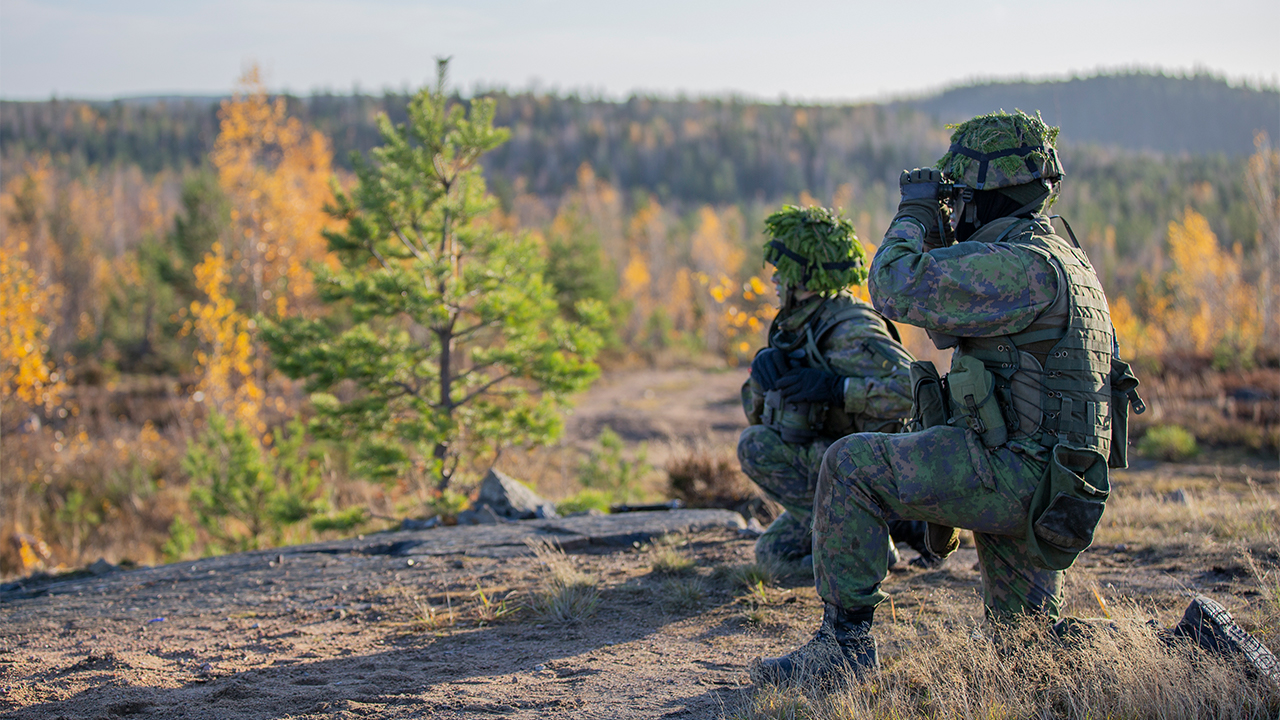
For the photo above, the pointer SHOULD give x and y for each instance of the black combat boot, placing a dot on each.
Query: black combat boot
(915, 534)
(843, 646)
(1210, 626)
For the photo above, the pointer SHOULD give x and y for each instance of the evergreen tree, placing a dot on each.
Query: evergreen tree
(456, 347)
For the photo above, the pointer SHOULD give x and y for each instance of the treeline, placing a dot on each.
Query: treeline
(712, 150)
(694, 150)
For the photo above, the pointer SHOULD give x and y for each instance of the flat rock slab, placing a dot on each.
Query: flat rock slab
(504, 540)
(417, 624)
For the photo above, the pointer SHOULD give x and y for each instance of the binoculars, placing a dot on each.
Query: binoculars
(934, 186)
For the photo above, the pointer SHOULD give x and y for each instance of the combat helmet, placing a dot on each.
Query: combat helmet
(814, 247)
(1002, 150)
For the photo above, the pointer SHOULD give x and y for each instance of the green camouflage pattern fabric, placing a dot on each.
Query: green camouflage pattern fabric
(1002, 131)
(787, 473)
(944, 474)
(877, 397)
(969, 289)
(941, 475)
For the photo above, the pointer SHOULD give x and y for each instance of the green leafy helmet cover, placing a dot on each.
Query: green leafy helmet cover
(1015, 149)
(814, 247)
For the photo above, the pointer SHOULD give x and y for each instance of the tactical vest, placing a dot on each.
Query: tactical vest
(1051, 380)
(802, 422)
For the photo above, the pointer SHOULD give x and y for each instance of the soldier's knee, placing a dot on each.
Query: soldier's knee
(853, 446)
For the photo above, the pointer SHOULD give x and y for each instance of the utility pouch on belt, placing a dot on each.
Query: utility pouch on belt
(795, 422)
(1124, 391)
(973, 400)
(928, 397)
(1067, 506)
(930, 408)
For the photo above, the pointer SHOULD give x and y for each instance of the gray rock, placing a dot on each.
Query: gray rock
(100, 567)
(1178, 497)
(483, 515)
(511, 500)
(424, 524)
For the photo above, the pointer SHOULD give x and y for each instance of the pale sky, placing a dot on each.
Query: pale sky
(801, 50)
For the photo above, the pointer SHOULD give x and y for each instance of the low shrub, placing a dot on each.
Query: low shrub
(1171, 443)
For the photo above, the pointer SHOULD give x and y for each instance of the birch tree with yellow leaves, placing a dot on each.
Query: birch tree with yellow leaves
(28, 379)
(276, 173)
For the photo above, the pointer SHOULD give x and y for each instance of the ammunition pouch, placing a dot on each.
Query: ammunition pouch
(1124, 391)
(795, 422)
(929, 405)
(1067, 506)
(972, 390)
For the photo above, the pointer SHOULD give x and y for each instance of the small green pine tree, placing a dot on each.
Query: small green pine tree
(234, 479)
(455, 347)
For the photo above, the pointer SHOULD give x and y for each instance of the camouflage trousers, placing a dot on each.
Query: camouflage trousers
(787, 473)
(942, 475)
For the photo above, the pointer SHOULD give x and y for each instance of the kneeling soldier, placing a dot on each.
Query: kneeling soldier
(833, 366)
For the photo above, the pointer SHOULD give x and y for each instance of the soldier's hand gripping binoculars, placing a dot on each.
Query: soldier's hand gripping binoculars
(931, 184)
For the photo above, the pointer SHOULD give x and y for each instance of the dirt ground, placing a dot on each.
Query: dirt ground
(319, 635)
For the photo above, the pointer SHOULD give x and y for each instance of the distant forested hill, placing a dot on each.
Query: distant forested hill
(1190, 131)
(716, 149)
(1198, 115)
(692, 150)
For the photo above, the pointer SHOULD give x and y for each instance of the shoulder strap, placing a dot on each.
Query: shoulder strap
(849, 312)
(852, 311)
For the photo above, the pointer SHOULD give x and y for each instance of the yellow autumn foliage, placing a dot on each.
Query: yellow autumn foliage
(26, 374)
(226, 360)
(1207, 307)
(276, 174)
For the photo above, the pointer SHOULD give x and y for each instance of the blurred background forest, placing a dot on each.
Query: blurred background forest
(140, 238)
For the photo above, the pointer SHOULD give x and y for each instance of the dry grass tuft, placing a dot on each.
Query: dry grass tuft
(566, 595)
(1266, 614)
(1107, 669)
(1207, 515)
(489, 609)
(683, 593)
(425, 617)
(666, 557)
(766, 572)
(758, 604)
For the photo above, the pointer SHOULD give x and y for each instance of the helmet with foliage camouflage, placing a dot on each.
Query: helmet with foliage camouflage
(1001, 150)
(814, 247)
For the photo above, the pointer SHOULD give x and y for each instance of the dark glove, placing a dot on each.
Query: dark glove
(921, 201)
(811, 385)
(769, 365)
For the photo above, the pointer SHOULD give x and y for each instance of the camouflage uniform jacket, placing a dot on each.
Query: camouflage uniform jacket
(966, 290)
(877, 396)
